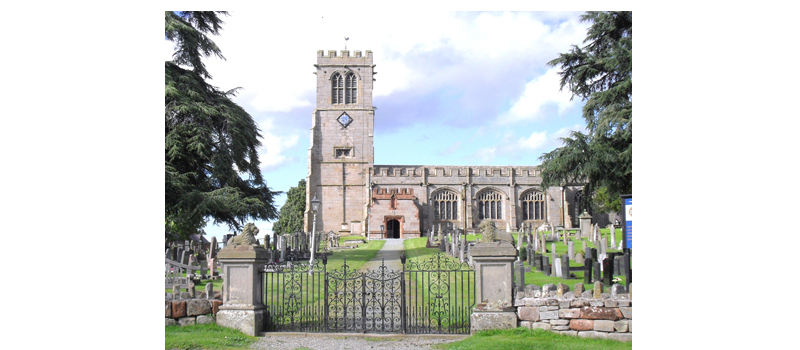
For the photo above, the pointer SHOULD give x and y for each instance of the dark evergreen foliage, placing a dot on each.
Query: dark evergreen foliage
(291, 215)
(209, 139)
(600, 73)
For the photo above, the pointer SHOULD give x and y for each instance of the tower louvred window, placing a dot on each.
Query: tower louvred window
(337, 88)
(350, 88)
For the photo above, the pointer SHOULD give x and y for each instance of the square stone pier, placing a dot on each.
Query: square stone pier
(494, 278)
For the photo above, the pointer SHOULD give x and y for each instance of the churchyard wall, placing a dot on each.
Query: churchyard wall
(184, 309)
(582, 313)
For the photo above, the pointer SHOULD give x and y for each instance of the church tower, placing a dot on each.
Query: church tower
(341, 152)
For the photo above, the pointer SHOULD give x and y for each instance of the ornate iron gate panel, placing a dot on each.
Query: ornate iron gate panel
(431, 296)
(440, 295)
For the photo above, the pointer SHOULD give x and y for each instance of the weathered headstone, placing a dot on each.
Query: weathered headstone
(546, 265)
(565, 270)
(596, 271)
(210, 290)
(571, 250)
(283, 240)
(557, 267)
(212, 250)
(603, 246)
(579, 257)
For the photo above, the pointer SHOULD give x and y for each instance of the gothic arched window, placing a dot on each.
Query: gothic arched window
(532, 205)
(445, 205)
(344, 89)
(350, 88)
(337, 88)
(490, 205)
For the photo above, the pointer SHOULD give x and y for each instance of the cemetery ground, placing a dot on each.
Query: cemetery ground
(355, 258)
(214, 337)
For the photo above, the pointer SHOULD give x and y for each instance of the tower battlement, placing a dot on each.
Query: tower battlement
(344, 57)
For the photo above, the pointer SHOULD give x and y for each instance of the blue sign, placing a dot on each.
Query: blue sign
(629, 222)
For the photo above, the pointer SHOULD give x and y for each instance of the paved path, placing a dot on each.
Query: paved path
(390, 253)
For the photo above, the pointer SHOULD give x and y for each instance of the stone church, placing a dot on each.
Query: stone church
(359, 197)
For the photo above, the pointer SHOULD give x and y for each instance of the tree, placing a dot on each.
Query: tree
(291, 215)
(600, 73)
(210, 141)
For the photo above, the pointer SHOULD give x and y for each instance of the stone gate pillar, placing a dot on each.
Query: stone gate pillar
(493, 286)
(242, 306)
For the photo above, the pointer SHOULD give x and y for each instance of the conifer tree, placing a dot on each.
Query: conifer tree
(211, 166)
(600, 73)
(291, 215)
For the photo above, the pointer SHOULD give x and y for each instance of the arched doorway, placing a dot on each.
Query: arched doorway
(392, 229)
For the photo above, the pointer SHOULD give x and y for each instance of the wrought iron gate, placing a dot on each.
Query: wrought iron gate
(430, 296)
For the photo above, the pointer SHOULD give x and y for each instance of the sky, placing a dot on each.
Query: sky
(454, 88)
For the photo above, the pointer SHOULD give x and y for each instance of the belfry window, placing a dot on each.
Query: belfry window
(344, 89)
(490, 205)
(532, 205)
(337, 88)
(350, 88)
(445, 206)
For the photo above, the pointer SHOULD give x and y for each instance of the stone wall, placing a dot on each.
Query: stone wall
(186, 310)
(582, 313)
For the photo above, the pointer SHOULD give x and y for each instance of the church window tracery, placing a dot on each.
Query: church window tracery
(445, 205)
(490, 205)
(532, 205)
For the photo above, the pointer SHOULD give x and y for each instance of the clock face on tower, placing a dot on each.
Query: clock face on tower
(344, 119)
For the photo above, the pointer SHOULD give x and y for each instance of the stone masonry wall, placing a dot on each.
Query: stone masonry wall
(183, 309)
(582, 313)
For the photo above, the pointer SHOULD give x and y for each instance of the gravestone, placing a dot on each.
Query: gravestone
(565, 270)
(579, 257)
(571, 250)
(585, 224)
(596, 271)
(584, 246)
(283, 240)
(600, 258)
(212, 249)
(553, 251)
(557, 267)
(613, 231)
(546, 265)
(603, 246)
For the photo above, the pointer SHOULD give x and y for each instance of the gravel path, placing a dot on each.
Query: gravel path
(325, 341)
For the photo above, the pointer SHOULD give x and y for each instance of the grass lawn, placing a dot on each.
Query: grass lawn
(523, 338)
(205, 336)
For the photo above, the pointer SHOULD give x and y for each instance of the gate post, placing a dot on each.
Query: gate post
(242, 307)
(493, 286)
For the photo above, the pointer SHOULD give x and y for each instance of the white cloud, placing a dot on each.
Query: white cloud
(535, 141)
(538, 93)
(487, 155)
(275, 145)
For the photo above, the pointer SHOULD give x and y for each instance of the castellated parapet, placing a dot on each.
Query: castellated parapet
(453, 171)
(344, 57)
